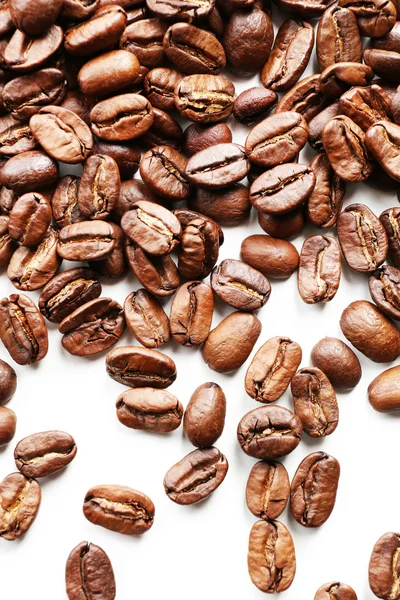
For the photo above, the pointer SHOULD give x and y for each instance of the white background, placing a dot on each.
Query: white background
(200, 551)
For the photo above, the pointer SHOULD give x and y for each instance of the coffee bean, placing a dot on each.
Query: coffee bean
(383, 141)
(205, 98)
(199, 137)
(24, 53)
(19, 503)
(145, 39)
(267, 490)
(163, 170)
(187, 216)
(374, 18)
(64, 202)
(338, 362)
(319, 270)
(283, 226)
(8, 382)
(76, 10)
(384, 568)
(44, 453)
(159, 85)
(271, 558)
(100, 32)
(34, 16)
(338, 37)
(344, 143)
(191, 313)
(165, 131)
(30, 218)
(383, 391)
(337, 590)
(253, 105)
(122, 118)
(370, 331)
(362, 238)
(314, 488)
(119, 509)
(273, 257)
(185, 11)
(196, 476)
(8, 424)
(340, 77)
(140, 367)
(384, 287)
(130, 192)
(108, 73)
(158, 274)
(305, 98)
(99, 187)
(127, 156)
(147, 319)
(390, 220)
(218, 166)
(229, 206)
(15, 137)
(240, 286)
(366, 105)
(29, 172)
(89, 571)
(7, 244)
(7, 200)
(89, 240)
(204, 417)
(199, 248)
(384, 63)
(326, 199)
(193, 50)
(113, 266)
(317, 125)
(149, 409)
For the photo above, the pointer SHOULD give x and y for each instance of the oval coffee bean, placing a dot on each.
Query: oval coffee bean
(191, 313)
(149, 409)
(205, 98)
(338, 38)
(305, 98)
(122, 117)
(86, 241)
(370, 331)
(159, 86)
(99, 187)
(89, 571)
(29, 172)
(204, 417)
(179, 9)
(23, 330)
(383, 391)
(199, 137)
(218, 166)
(339, 77)
(390, 220)
(384, 287)
(30, 218)
(271, 558)
(320, 269)
(362, 238)
(119, 509)
(269, 432)
(113, 266)
(383, 141)
(253, 105)
(193, 50)
(108, 73)
(314, 401)
(229, 345)
(273, 257)
(8, 382)
(33, 16)
(196, 476)
(25, 53)
(140, 367)
(326, 199)
(338, 362)
(199, 248)
(384, 568)
(8, 424)
(240, 286)
(64, 202)
(44, 453)
(187, 216)
(163, 171)
(267, 490)
(272, 369)
(337, 590)
(366, 105)
(100, 31)
(144, 39)
(19, 503)
(147, 319)
(374, 18)
(158, 274)
(314, 488)
(384, 63)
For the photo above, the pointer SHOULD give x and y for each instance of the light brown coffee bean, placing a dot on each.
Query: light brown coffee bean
(191, 313)
(19, 503)
(384, 568)
(147, 319)
(383, 391)
(319, 269)
(338, 362)
(149, 409)
(140, 367)
(267, 490)
(271, 256)
(44, 453)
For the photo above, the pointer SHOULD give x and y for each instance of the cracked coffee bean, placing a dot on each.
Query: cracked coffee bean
(158, 274)
(218, 166)
(191, 313)
(338, 362)
(199, 248)
(326, 199)
(163, 171)
(375, 18)
(335, 590)
(86, 241)
(204, 417)
(89, 572)
(44, 453)
(319, 270)
(139, 367)
(240, 286)
(383, 141)
(384, 287)
(99, 187)
(338, 38)
(205, 98)
(147, 319)
(121, 118)
(366, 105)
(341, 76)
(159, 86)
(304, 98)
(30, 218)
(149, 409)
(384, 567)
(19, 503)
(267, 490)
(64, 202)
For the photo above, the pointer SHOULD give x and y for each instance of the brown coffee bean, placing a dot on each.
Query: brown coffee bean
(15, 137)
(29, 172)
(8, 382)
(362, 238)
(366, 105)
(205, 98)
(370, 331)
(127, 156)
(336, 590)
(108, 73)
(199, 249)
(24, 53)
(119, 509)
(147, 319)
(149, 409)
(186, 216)
(240, 286)
(163, 170)
(374, 18)
(338, 38)
(145, 39)
(132, 191)
(314, 401)
(204, 417)
(185, 11)
(384, 567)
(253, 105)
(384, 287)
(99, 187)
(199, 137)
(218, 166)
(44, 453)
(319, 270)
(229, 206)
(267, 490)
(383, 391)
(317, 125)
(383, 141)
(165, 131)
(64, 202)
(340, 77)
(305, 98)
(89, 571)
(338, 362)
(158, 274)
(29, 219)
(191, 313)
(314, 488)
(139, 367)
(159, 85)
(19, 503)
(86, 241)
(384, 63)
(326, 199)
(283, 226)
(196, 476)
(34, 16)
(92, 327)
(100, 32)
(273, 257)
(7, 200)
(390, 219)
(193, 50)
(8, 424)
(7, 244)
(122, 118)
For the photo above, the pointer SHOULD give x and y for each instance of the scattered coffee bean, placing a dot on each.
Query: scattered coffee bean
(338, 362)
(8, 424)
(147, 319)
(240, 286)
(149, 409)
(88, 240)
(205, 98)
(383, 391)
(158, 274)
(19, 503)
(163, 170)
(338, 38)
(326, 199)
(204, 417)
(44, 453)
(29, 172)
(384, 568)
(89, 571)
(228, 206)
(337, 590)
(320, 269)
(253, 105)
(122, 118)
(191, 313)
(384, 287)
(30, 218)
(267, 490)
(140, 367)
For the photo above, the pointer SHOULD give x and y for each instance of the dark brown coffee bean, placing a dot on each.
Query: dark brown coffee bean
(8, 424)
(122, 117)
(80, 104)
(338, 362)
(44, 453)
(119, 509)
(64, 202)
(267, 490)
(339, 77)
(7, 244)
(196, 476)
(384, 567)
(383, 391)
(319, 270)
(218, 166)
(336, 590)
(15, 137)
(24, 53)
(384, 287)
(77, 10)
(390, 219)
(89, 571)
(186, 216)
(229, 206)
(305, 98)
(362, 238)
(240, 286)
(158, 274)
(139, 367)
(314, 488)
(180, 9)
(205, 98)
(384, 63)
(145, 39)
(99, 187)
(314, 401)
(8, 382)
(127, 156)
(29, 172)
(100, 32)
(199, 249)
(204, 417)
(132, 191)
(253, 105)
(7, 200)
(191, 313)
(163, 170)
(29, 219)
(19, 503)
(283, 226)
(289, 57)
(149, 409)
(374, 18)
(305, 8)
(193, 50)
(383, 141)
(34, 16)
(370, 331)
(165, 131)
(108, 73)
(338, 38)
(317, 125)
(199, 137)
(325, 203)
(159, 86)
(273, 257)
(86, 241)
(113, 266)
(147, 319)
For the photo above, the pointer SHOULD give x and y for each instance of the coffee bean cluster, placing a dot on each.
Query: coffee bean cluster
(107, 84)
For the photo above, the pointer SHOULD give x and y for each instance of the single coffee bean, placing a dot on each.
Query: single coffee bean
(186, 216)
(384, 63)
(8, 382)
(273, 257)
(205, 98)
(147, 319)
(149, 409)
(338, 362)
(240, 286)
(122, 118)
(144, 39)
(127, 156)
(229, 345)
(19, 503)
(314, 488)
(64, 202)
(338, 37)
(390, 219)
(86, 241)
(277, 139)
(370, 331)
(196, 476)
(99, 187)
(75, 10)
(305, 98)
(362, 238)
(29, 219)
(283, 226)
(271, 557)
(305, 8)
(158, 274)
(199, 137)
(272, 369)
(384, 567)
(199, 248)
(163, 171)
(383, 391)
(366, 105)
(119, 509)
(191, 313)
(383, 141)
(319, 270)
(282, 189)
(139, 367)
(289, 57)
(7, 200)
(7, 244)
(34, 16)
(44, 453)
(384, 287)
(29, 172)
(326, 199)
(100, 32)
(253, 105)
(229, 206)
(204, 417)
(336, 590)
(108, 73)
(193, 50)
(159, 86)
(374, 18)
(15, 137)
(218, 166)
(89, 571)
(317, 125)
(65, 292)
(180, 9)
(267, 490)
(340, 77)
(25, 53)
(8, 424)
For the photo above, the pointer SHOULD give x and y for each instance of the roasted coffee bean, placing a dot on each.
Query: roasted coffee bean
(319, 270)
(62, 134)
(199, 137)
(384, 567)
(147, 319)
(390, 220)
(113, 266)
(89, 571)
(19, 503)
(340, 77)
(314, 488)
(344, 143)
(8, 382)
(384, 287)
(24, 53)
(100, 32)
(7, 200)
(205, 98)
(139, 367)
(86, 241)
(199, 248)
(362, 238)
(335, 590)
(165, 131)
(6, 24)
(314, 401)
(277, 139)
(229, 206)
(282, 189)
(29, 219)
(273, 257)
(317, 124)
(76, 10)
(24, 96)
(44, 453)
(290, 55)
(218, 166)
(163, 170)
(193, 50)
(159, 85)
(370, 331)
(158, 274)
(22, 329)
(271, 557)
(149, 409)
(267, 490)
(269, 432)
(196, 476)
(15, 137)
(186, 216)
(122, 117)
(181, 9)
(34, 16)
(338, 38)
(384, 63)
(108, 73)
(305, 8)
(326, 199)
(64, 202)
(383, 391)
(127, 156)
(204, 417)
(29, 172)
(283, 226)
(383, 141)
(305, 98)
(253, 105)
(131, 192)
(7, 244)
(80, 104)
(240, 286)
(191, 313)
(375, 18)
(119, 509)
(8, 424)
(366, 105)
(99, 187)
(338, 362)
(145, 39)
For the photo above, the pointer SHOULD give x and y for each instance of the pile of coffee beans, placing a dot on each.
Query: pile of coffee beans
(118, 87)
